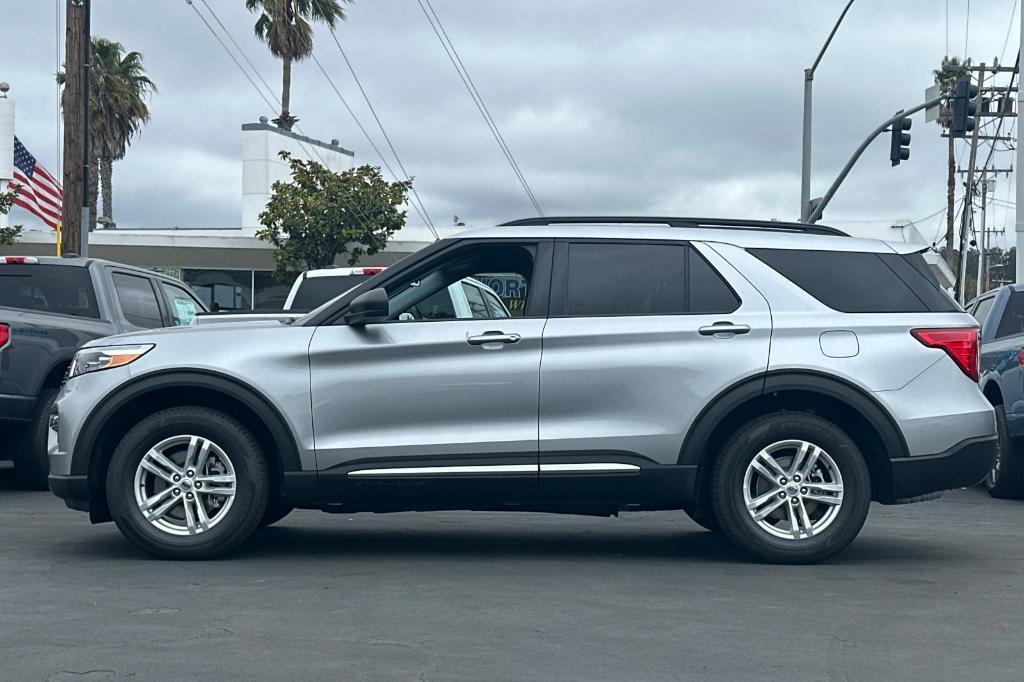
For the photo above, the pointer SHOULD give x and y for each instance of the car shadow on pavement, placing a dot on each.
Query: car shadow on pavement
(7, 478)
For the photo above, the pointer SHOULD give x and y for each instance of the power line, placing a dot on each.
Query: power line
(383, 132)
(422, 211)
(474, 94)
(360, 214)
(369, 139)
(240, 50)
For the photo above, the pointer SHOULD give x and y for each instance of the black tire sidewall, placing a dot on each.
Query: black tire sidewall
(251, 483)
(30, 456)
(737, 454)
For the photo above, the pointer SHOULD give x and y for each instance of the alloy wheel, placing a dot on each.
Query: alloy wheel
(185, 485)
(793, 489)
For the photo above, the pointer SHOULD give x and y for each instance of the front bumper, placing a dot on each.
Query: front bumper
(74, 490)
(965, 464)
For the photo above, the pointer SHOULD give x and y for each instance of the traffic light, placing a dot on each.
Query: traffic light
(899, 148)
(964, 107)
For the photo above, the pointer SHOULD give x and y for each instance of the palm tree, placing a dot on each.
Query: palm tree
(286, 27)
(117, 108)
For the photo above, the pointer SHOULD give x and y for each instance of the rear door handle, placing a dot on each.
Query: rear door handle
(724, 328)
(493, 337)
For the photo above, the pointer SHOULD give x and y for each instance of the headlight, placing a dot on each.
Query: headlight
(105, 357)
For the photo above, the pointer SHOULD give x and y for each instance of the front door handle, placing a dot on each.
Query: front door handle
(493, 337)
(724, 328)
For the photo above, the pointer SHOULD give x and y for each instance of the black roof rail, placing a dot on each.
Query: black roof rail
(721, 223)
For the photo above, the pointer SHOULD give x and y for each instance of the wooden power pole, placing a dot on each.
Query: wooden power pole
(74, 110)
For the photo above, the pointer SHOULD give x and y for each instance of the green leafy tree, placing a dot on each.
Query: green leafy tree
(286, 26)
(320, 215)
(118, 110)
(8, 235)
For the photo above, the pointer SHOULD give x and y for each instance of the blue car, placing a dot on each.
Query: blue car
(1001, 315)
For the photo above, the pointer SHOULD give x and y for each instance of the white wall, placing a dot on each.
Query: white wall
(262, 167)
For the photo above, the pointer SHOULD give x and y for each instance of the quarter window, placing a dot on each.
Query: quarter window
(1012, 321)
(138, 300)
(183, 305)
(981, 310)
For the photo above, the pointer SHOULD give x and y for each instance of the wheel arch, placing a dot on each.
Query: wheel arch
(850, 407)
(993, 391)
(146, 395)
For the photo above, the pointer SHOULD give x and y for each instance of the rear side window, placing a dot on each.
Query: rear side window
(1012, 321)
(138, 300)
(63, 289)
(183, 305)
(854, 282)
(607, 278)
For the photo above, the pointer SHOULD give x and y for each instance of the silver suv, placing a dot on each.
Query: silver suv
(769, 379)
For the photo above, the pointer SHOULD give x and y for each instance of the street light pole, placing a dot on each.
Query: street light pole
(805, 165)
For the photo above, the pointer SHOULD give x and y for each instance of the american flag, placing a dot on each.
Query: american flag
(39, 193)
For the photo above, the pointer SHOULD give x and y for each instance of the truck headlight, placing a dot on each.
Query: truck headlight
(105, 357)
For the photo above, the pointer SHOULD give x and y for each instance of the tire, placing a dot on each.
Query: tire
(1006, 480)
(174, 433)
(276, 510)
(838, 464)
(30, 457)
(704, 518)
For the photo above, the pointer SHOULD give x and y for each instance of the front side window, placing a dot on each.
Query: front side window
(981, 310)
(138, 300)
(451, 287)
(184, 306)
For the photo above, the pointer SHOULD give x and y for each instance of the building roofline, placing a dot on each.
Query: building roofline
(300, 138)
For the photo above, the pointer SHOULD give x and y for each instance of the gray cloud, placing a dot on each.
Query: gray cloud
(650, 106)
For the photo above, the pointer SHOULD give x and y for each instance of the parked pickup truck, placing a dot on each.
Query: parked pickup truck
(49, 307)
(1001, 315)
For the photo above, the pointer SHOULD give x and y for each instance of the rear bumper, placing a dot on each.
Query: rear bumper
(74, 490)
(964, 464)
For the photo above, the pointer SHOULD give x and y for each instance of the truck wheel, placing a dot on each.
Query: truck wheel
(1006, 480)
(31, 460)
(187, 483)
(791, 488)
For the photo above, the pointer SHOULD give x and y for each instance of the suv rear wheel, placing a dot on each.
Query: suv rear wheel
(187, 483)
(791, 487)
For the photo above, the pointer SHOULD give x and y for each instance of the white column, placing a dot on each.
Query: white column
(6, 146)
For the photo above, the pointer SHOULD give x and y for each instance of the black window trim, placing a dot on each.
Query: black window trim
(560, 277)
(538, 303)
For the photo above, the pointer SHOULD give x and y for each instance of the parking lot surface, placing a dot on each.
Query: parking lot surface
(928, 591)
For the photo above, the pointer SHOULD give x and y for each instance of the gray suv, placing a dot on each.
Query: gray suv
(770, 379)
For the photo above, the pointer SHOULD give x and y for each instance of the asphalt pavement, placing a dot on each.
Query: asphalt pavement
(929, 591)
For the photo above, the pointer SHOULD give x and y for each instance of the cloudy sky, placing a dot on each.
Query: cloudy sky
(650, 106)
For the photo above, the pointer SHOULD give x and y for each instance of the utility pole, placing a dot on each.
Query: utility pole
(805, 165)
(969, 197)
(982, 238)
(74, 211)
(1019, 274)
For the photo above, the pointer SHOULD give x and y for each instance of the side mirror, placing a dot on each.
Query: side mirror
(369, 307)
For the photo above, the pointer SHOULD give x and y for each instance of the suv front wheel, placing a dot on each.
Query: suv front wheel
(791, 487)
(187, 483)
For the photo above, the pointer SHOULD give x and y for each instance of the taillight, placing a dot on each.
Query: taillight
(1020, 357)
(961, 345)
(372, 271)
(18, 260)
(5, 335)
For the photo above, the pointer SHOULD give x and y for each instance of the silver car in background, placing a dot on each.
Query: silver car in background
(770, 379)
